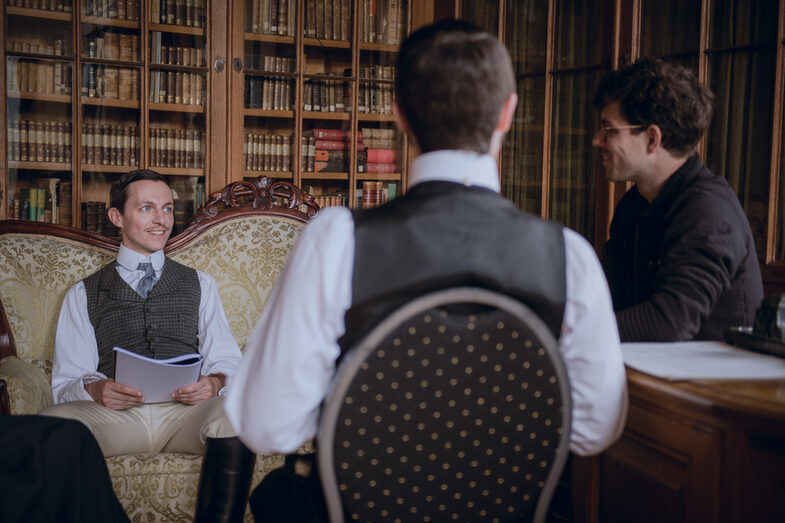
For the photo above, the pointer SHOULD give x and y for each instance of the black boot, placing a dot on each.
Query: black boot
(227, 470)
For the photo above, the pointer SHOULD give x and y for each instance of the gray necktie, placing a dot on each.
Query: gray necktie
(148, 280)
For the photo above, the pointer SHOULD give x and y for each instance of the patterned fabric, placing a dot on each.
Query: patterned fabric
(29, 388)
(35, 274)
(450, 416)
(148, 280)
(244, 256)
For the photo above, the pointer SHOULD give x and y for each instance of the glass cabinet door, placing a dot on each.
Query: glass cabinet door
(269, 88)
(577, 59)
(39, 50)
(177, 96)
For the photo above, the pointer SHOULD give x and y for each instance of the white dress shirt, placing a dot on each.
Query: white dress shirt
(76, 350)
(289, 362)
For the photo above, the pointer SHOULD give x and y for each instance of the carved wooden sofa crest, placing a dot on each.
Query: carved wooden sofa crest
(241, 237)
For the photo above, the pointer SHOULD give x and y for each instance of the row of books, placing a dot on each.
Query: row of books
(39, 77)
(375, 98)
(269, 92)
(378, 138)
(382, 72)
(381, 21)
(272, 17)
(267, 152)
(179, 148)
(329, 200)
(178, 55)
(189, 13)
(53, 46)
(47, 200)
(111, 46)
(95, 219)
(273, 64)
(375, 193)
(116, 9)
(109, 144)
(116, 83)
(327, 96)
(39, 141)
(164, 51)
(63, 6)
(328, 19)
(177, 87)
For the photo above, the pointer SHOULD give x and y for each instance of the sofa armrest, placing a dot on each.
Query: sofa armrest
(28, 388)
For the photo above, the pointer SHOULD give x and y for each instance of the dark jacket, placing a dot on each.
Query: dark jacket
(683, 267)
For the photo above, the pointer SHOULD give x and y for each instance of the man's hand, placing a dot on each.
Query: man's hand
(113, 395)
(204, 389)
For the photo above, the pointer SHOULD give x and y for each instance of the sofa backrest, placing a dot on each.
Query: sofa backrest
(241, 237)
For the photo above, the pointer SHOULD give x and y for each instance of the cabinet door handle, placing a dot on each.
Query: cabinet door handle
(237, 64)
(219, 64)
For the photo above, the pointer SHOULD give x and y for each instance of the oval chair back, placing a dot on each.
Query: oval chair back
(456, 407)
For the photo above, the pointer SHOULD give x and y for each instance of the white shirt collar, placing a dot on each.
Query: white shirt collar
(465, 167)
(131, 259)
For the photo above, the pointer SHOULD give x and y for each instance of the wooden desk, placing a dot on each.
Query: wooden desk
(697, 451)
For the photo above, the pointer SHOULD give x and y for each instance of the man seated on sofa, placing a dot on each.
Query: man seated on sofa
(680, 259)
(452, 228)
(153, 306)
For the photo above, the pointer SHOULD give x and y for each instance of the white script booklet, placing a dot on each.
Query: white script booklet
(157, 379)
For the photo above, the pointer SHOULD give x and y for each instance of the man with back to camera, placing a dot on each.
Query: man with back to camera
(680, 259)
(156, 307)
(452, 228)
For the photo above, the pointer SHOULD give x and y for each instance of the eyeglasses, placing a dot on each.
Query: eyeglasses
(607, 129)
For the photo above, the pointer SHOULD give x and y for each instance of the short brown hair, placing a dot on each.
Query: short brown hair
(118, 194)
(654, 92)
(451, 82)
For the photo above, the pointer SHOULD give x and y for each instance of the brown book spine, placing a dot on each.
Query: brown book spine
(283, 17)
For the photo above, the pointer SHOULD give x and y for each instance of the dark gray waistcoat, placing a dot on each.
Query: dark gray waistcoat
(162, 326)
(442, 235)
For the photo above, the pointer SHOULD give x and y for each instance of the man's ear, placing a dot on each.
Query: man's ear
(653, 137)
(403, 125)
(507, 113)
(115, 217)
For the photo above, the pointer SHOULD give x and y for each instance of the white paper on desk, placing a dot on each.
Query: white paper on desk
(157, 379)
(694, 360)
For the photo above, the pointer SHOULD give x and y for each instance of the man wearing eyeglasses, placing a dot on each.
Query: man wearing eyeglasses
(680, 259)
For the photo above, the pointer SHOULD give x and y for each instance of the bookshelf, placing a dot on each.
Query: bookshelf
(83, 84)
(317, 91)
(204, 92)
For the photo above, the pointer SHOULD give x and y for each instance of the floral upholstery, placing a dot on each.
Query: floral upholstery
(244, 255)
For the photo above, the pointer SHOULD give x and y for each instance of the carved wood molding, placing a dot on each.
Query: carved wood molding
(259, 196)
(259, 193)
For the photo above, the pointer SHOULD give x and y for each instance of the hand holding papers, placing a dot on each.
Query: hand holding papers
(157, 379)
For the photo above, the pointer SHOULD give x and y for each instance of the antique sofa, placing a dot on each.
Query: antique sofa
(241, 236)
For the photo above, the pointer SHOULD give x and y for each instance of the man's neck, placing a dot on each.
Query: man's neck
(665, 167)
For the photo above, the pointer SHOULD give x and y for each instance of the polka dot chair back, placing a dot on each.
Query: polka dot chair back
(455, 408)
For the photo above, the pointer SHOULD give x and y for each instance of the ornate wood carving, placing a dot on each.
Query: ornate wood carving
(260, 196)
(259, 193)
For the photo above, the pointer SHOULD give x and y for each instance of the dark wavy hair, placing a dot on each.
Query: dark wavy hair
(451, 82)
(118, 194)
(652, 91)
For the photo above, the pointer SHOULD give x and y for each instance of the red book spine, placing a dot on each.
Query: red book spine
(336, 145)
(381, 155)
(380, 168)
(335, 134)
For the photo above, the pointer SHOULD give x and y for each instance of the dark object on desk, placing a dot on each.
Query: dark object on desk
(770, 318)
(767, 335)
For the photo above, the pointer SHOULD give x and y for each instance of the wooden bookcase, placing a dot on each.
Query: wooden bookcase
(128, 84)
(322, 83)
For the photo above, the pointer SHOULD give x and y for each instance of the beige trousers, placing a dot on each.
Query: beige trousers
(151, 428)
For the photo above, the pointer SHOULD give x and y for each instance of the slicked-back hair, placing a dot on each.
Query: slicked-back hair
(118, 194)
(451, 82)
(652, 91)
